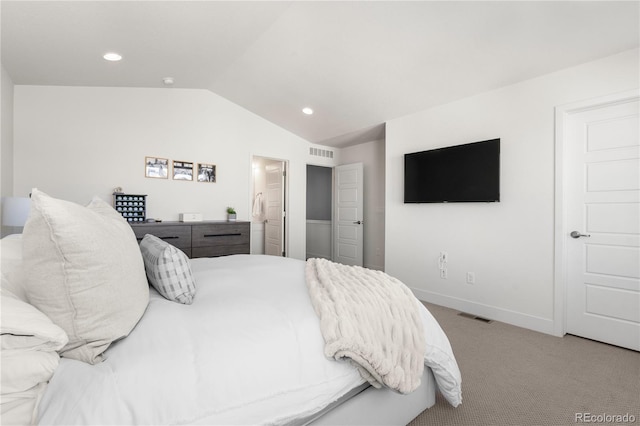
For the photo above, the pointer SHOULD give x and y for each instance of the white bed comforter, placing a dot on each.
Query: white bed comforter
(247, 351)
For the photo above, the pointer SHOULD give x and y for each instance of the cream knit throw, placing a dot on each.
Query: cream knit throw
(370, 318)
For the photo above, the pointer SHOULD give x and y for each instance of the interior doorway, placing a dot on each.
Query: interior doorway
(269, 200)
(598, 214)
(335, 213)
(319, 212)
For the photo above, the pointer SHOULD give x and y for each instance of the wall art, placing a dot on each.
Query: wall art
(156, 167)
(182, 170)
(206, 172)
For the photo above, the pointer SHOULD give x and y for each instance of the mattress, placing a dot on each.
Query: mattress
(247, 351)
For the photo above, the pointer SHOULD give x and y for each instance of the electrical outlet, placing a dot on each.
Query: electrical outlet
(443, 274)
(442, 261)
(471, 277)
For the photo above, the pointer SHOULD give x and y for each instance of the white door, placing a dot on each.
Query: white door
(275, 214)
(349, 214)
(602, 230)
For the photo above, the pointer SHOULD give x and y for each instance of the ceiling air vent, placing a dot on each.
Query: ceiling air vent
(317, 152)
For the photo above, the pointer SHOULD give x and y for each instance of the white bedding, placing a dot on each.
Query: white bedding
(247, 351)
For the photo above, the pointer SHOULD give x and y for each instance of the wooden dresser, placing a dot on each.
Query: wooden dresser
(200, 239)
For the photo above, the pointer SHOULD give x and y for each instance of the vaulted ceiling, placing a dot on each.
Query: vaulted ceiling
(356, 63)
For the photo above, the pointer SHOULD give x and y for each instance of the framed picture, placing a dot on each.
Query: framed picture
(156, 167)
(182, 170)
(206, 172)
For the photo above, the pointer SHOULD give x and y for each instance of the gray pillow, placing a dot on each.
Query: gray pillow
(168, 269)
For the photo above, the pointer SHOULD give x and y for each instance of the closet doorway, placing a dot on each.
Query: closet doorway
(319, 212)
(269, 206)
(335, 213)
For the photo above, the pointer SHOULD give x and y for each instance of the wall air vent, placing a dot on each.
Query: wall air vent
(317, 152)
(475, 317)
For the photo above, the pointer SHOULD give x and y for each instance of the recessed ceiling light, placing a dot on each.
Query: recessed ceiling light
(307, 110)
(168, 81)
(112, 56)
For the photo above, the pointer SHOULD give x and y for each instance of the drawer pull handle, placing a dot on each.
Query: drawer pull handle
(221, 235)
(162, 238)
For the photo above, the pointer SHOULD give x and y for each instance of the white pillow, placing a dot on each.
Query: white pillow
(21, 408)
(85, 272)
(168, 269)
(22, 370)
(23, 327)
(28, 357)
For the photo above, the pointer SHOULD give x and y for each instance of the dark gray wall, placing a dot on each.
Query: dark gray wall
(318, 193)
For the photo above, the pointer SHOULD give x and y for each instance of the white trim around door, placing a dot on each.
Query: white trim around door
(564, 113)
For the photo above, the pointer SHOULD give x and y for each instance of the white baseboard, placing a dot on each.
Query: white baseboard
(542, 325)
(372, 266)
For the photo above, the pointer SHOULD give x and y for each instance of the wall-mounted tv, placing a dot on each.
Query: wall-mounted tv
(455, 174)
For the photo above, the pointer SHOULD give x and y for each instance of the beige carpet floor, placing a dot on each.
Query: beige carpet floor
(514, 376)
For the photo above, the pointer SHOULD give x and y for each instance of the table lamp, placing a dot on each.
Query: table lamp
(15, 211)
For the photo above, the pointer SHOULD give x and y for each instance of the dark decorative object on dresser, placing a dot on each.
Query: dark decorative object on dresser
(201, 239)
(132, 207)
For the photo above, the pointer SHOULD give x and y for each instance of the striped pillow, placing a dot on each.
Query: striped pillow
(168, 270)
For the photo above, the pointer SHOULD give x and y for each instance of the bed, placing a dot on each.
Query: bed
(248, 348)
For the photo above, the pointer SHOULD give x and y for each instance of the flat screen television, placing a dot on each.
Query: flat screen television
(456, 174)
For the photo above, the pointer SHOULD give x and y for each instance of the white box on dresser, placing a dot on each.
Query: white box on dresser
(190, 217)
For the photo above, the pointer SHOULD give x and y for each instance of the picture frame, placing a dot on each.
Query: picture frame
(155, 167)
(206, 173)
(183, 170)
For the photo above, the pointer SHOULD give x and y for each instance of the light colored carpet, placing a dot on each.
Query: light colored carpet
(514, 376)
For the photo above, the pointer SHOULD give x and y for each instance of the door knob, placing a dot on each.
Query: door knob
(576, 234)
(360, 222)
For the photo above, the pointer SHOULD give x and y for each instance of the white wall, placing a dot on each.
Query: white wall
(76, 142)
(372, 156)
(6, 133)
(6, 145)
(509, 245)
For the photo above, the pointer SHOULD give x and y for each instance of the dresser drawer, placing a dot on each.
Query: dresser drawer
(220, 239)
(176, 235)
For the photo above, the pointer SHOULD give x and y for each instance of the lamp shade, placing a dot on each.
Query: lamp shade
(15, 210)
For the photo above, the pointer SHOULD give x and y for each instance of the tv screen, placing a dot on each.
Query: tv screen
(455, 174)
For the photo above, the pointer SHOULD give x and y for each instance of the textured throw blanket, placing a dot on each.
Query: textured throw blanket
(371, 319)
